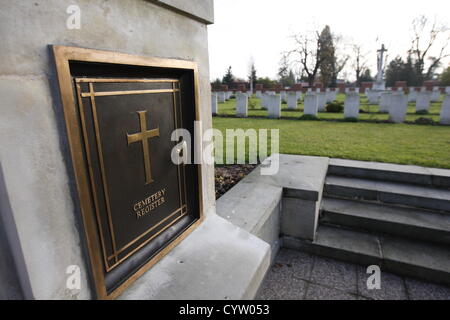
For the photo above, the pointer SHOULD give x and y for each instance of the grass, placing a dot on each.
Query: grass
(423, 145)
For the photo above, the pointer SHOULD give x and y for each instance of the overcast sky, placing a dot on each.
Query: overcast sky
(261, 29)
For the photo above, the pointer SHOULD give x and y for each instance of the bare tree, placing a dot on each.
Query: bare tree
(341, 58)
(307, 53)
(426, 36)
(360, 61)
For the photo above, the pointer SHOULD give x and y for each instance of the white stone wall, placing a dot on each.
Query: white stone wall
(33, 148)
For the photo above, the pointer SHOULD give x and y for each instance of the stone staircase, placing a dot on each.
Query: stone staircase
(394, 216)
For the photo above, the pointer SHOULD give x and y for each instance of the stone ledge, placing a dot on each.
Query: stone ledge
(252, 203)
(201, 10)
(216, 261)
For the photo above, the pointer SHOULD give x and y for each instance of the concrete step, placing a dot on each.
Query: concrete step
(394, 220)
(390, 172)
(426, 261)
(388, 192)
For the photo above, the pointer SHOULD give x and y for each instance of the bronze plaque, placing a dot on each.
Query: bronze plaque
(136, 203)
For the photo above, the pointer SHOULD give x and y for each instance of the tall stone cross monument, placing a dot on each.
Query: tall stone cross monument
(379, 82)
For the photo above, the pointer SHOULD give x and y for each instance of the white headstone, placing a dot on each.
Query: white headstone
(321, 100)
(351, 105)
(445, 110)
(412, 95)
(228, 95)
(385, 102)
(436, 94)
(241, 105)
(221, 96)
(214, 105)
(373, 96)
(299, 95)
(283, 95)
(423, 99)
(259, 94)
(265, 100)
(311, 106)
(274, 106)
(398, 107)
(329, 95)
(447, 90)
(292, 100)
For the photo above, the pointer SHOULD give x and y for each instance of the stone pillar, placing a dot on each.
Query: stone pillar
(423, 100)
(398, 107)
(241, 105)
(445, 110)
(351, 105)
(321, 101)
(385, 97)
(292, 100)
(274, 106)
(214, 105)
(311, 106)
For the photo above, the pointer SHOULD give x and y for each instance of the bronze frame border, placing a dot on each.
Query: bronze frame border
(63, 55)
(91, 94)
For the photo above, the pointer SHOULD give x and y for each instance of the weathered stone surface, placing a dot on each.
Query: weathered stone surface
(33, 147)
(203, 10)
(218, 260)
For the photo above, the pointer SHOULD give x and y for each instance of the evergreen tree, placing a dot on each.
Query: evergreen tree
(445, 77)
(228, 78)
(328, 57)
(252, 76)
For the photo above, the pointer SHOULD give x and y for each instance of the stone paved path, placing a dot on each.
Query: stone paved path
(297, 276)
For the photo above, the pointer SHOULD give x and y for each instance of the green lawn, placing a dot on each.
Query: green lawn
(424, 145)
(254, 110)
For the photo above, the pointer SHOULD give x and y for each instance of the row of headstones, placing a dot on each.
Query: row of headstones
(393, 102)
(271, 101)
(396, 104)
(421, 96)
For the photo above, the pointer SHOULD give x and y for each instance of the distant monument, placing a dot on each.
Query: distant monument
(379, 82)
